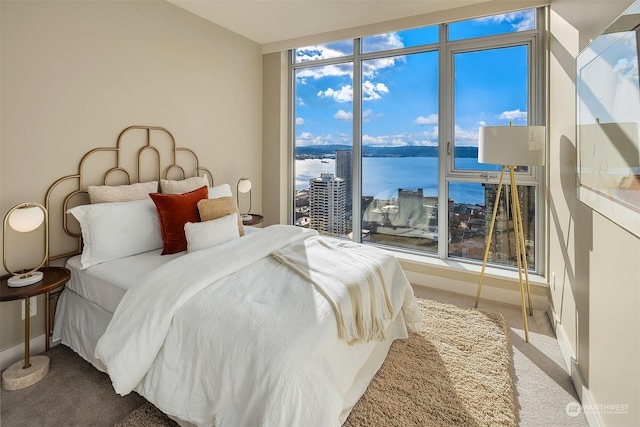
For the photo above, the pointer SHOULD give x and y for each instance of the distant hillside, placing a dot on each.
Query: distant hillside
(318, 151)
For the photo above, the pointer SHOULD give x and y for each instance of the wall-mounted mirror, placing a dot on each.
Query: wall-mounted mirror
(608, 119)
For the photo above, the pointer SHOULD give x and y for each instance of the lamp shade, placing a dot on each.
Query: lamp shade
(244, 185)
(512, 145)
(26, 219)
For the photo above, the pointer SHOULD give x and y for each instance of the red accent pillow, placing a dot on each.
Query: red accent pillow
(174, 211)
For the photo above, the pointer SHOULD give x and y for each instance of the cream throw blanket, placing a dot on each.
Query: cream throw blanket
(352, 278)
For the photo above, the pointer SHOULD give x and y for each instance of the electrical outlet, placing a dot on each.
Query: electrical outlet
(33, 307)
(553, 281)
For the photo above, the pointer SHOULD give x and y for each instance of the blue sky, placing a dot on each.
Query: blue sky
(400, 94)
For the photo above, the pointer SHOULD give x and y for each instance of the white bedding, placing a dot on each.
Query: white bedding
(105, 284)
(239, 340)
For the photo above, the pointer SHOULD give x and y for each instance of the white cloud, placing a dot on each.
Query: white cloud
(333, 70)
(513, 115)
(299, 100)
(307, 138)
(627, 68)
(366, 115)
(299, 121)
(371, 91)
(371, 67)
(373, 140)
(466, 137)
(344, 116)
(423, 138)
(344, 94)
(324, 51)
(385, 140)
(520, 21)
(431, 119)
(382, 42)
(481, 123)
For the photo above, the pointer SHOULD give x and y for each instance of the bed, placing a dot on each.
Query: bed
(255, 328)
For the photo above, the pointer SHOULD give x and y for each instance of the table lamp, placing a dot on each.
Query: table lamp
(511, 146)
(244, 186)
(25, 218)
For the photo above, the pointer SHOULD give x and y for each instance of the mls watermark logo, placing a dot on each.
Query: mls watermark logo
(573, 409)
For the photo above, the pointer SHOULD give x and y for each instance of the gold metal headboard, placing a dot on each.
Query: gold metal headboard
(151, 142)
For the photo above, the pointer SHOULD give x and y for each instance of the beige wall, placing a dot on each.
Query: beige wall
(275, 138)
(74, 74)
(596, 297)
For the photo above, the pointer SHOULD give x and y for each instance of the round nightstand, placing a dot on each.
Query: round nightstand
(31, 370)
(255, 220)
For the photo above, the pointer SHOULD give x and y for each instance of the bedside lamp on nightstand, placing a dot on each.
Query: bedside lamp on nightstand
(25, 218)
(244, 186)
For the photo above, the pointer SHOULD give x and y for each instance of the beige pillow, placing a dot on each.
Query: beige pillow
(121, 193)
(168, 186)
(217, 208)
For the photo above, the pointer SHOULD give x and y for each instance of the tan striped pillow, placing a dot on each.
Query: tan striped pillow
(168, 186)
(121, 193)
(217, 208)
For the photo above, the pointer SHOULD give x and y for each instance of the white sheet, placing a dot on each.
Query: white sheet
(259, 346)
(105, 284)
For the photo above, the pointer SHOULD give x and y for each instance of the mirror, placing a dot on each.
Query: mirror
(608, 122)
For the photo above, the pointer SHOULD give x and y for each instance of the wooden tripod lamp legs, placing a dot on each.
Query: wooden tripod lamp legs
(520, 246)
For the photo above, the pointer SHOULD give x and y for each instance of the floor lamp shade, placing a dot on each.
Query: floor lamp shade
(512, 145)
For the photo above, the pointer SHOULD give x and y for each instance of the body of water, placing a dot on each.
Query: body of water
(383, 176)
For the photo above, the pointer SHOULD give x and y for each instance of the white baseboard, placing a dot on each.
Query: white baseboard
(593, 417)
(465, 288)
(565, 347)
(586, 400)
(13, 354)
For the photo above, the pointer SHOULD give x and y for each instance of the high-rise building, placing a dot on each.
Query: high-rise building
(503, 245)
(344, 170)
(327, 211)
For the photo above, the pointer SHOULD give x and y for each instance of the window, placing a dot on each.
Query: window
(386, 136)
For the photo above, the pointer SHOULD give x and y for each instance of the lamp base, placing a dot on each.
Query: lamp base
(246, 217)
(16, 377)
(19, 281)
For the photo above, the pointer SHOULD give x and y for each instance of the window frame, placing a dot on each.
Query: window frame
(535, 176)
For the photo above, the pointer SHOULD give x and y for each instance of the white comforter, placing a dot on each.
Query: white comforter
(228, 336)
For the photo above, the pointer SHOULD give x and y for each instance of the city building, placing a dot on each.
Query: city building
(344, 170)
(327, 204)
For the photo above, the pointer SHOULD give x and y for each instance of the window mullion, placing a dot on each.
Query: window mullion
(445, 138)
(356, 225)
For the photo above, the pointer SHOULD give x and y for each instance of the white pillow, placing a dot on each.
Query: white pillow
(117, 230)
(202, 235)
(222, 190)
(168, 186)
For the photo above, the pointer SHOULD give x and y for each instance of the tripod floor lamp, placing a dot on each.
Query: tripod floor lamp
(511, 146)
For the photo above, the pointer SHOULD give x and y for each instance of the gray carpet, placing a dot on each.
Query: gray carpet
(73, 393)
